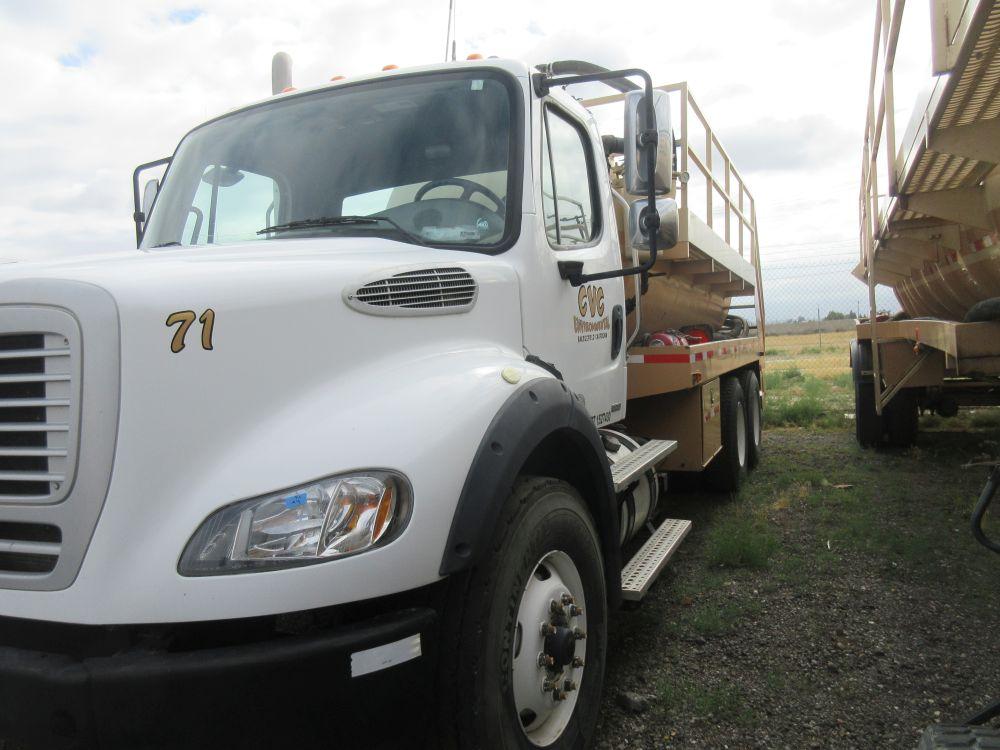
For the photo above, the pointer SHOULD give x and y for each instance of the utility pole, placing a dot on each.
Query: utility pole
(819, 328)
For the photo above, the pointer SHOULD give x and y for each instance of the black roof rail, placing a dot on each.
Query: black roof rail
(581, 67)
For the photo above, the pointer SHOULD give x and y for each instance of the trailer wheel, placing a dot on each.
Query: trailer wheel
(729, 468)
(867, 422)
(755, 414)
(525, 631)
(902, 418)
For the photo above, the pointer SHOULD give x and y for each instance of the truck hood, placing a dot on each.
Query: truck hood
(200, 377)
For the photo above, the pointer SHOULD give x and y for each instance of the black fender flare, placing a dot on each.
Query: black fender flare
(535, 411)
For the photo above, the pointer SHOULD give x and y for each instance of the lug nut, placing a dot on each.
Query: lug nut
(569, 686)
(567, 599)
(555, 607)
(577, 662)
(575, 611)
(544, 660)
(559, 695)
(579, 634)
(550, 686)
(548, 629)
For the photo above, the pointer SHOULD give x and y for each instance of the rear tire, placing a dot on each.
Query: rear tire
(729, 468)
(867, 423)
(902, 418)
(491, 683)
(755, 416)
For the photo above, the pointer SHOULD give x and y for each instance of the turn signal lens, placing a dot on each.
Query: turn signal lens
(331, 518)
(474, 56)
(389, 67)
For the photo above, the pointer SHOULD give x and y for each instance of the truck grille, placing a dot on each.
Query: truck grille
(427, 291)
(53, 482)
(36, 402)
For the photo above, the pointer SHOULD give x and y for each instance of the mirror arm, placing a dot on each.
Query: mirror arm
(572, 270)
(137, 215)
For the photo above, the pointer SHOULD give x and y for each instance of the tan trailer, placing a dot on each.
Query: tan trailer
(710, 276)
(931, 234)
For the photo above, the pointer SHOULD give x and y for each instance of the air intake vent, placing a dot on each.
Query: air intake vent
(29, 547)
(36, 403)
(427, 291)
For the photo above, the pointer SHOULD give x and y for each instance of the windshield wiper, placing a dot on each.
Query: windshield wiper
(340, 221)
(167, 244)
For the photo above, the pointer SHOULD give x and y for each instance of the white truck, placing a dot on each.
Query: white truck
(369, 412)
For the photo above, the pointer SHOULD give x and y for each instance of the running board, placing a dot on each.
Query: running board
(641, 460)
(640, 572)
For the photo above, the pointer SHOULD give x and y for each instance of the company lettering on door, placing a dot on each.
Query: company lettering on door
(592, 323)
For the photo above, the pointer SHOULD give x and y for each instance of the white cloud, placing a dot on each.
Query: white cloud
(92, 89)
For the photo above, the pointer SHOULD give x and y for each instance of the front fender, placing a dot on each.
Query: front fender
(424, 417)
(538, 412)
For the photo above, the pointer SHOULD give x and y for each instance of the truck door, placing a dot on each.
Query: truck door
(578, 329)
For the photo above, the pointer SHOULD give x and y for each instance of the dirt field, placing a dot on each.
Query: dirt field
(839, 602)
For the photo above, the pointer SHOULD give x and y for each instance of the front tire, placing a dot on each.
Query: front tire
(503, 683)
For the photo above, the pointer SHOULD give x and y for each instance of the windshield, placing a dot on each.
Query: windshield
(428, 154)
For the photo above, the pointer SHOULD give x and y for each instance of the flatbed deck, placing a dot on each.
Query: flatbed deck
(653, 370)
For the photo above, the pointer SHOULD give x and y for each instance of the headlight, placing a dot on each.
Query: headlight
(329, 518)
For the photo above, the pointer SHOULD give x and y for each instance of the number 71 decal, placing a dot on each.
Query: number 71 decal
(186, 319)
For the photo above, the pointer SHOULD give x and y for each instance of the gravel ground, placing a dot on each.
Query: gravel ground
(875, 616)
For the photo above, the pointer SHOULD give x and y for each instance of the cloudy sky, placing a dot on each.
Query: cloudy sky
(94, 88)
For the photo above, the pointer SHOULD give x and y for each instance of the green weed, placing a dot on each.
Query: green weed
(739, 543)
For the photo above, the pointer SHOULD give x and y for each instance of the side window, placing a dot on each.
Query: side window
(230, 205)
(569, 195)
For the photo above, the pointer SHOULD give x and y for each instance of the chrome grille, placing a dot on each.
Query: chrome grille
(53, 483)
(36, 404)
(428, 290)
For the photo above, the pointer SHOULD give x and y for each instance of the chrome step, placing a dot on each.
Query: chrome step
(630, 468)
(640, 572)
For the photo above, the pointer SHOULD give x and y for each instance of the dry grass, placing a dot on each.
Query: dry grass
(822, 355)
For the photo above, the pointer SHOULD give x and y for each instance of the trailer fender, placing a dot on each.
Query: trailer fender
(541, 417)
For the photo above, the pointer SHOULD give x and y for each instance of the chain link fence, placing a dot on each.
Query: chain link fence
(812, 303)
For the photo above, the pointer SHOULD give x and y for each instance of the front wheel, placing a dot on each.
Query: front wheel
(526, 630)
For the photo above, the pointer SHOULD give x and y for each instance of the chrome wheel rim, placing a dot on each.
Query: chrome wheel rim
(549, 645)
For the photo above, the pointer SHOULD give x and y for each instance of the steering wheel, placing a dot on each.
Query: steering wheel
(469, 188)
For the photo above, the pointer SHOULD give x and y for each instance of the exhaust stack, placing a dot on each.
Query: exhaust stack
(281, 72)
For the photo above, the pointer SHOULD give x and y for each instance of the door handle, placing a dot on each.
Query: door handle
(617, 330)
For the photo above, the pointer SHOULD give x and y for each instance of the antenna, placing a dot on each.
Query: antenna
(447, 38)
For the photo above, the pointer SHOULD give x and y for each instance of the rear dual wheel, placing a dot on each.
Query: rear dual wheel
(728, 469)
(525, 631)
(754, 401)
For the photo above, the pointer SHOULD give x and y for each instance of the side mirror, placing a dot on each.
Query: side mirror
(636, 168)
(148, 196)
(666, 235)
